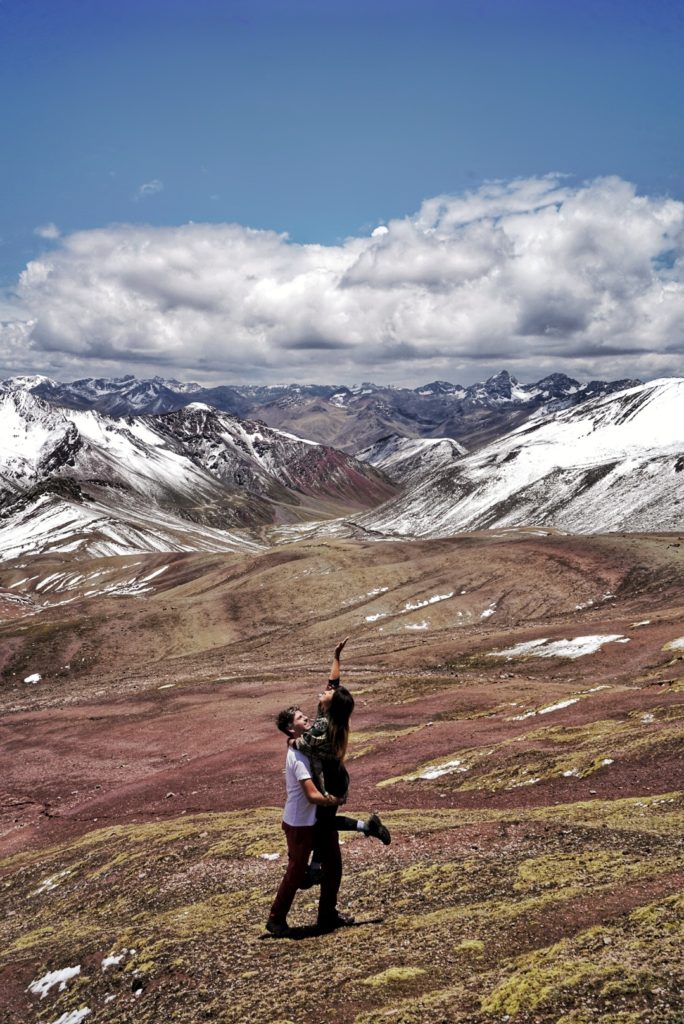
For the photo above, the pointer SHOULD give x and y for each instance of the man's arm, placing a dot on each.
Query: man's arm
(314, 797)
(334, 676)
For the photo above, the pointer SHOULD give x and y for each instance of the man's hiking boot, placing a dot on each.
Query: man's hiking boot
(374, 827)
(313, 876)
(329, 922)
(278, 929)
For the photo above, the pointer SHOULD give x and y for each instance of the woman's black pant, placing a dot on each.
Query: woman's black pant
(336, 779)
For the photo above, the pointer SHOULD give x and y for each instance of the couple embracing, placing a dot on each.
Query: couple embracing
(316, 783)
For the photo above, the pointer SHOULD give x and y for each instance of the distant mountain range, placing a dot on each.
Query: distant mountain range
(612, 463)
(348, 418)
(198, 478)
(130, 483)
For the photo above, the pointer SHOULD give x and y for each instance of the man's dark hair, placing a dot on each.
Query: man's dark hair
(286, 717)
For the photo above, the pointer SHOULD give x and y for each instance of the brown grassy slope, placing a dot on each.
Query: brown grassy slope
(539, 879)
(571, 913)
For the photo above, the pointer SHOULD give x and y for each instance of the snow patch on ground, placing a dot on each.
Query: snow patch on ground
(113, 961)
(442, 769)
(41, 986)
(48, 884)
(575, 648)
(74, 1017)
(35, 677)
(412, 606)
(61, 582)
(675, 645)
(269, 856)
(520, 649)
(547, 710)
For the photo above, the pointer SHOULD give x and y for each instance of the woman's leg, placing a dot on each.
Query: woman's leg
(343, 823)
(327, 818)
(325, 822)
(332, 876)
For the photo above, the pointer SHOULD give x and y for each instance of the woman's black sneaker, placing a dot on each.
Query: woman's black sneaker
(374, 827)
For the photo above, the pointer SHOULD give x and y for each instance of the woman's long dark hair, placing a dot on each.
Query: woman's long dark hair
(339, 713)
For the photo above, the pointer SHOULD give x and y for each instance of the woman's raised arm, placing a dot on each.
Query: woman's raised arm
(334, 676)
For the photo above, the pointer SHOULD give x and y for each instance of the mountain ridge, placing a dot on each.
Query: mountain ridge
(346, 417)
(194, 467)
(612, 463)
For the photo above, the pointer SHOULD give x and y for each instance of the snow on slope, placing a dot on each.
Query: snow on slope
(193, 454)
(249, 453)
(135, 489)
(27, 431)
(613, 463)
(408, 459)
(147, 483)
(38, 441)
(54, 524)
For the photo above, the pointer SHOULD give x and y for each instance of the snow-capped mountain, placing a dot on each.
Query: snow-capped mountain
(353, 419)
(162, 473)
(612, 463)
(350, 418)
(249, 455)
(407, 460)
(63, 518)
(128, 396)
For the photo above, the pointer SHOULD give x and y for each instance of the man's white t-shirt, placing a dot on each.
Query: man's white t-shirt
(298, 811)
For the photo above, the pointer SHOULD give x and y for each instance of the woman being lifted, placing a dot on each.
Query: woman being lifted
(325, 743)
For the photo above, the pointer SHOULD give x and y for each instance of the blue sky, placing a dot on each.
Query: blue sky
(319, 119)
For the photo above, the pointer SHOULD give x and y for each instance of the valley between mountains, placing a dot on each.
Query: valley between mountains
(515, 600)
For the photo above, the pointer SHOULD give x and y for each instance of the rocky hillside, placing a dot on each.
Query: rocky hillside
(612, 463)
(518, 726)
(66, 474)
(408, 460)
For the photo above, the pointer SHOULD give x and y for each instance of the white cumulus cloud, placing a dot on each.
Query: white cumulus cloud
(534, 275)
(49, 231)
(149, 188)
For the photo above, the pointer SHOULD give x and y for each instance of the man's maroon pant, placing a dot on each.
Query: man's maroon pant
(300, 840)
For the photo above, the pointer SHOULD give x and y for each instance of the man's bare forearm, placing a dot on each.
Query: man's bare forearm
(315, 797)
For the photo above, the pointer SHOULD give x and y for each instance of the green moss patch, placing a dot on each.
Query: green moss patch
(363, 743)
(454, 919)
(620, 969)
(552, 751)
(394, 976)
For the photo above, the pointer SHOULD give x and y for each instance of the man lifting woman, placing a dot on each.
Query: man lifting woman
(316, 783)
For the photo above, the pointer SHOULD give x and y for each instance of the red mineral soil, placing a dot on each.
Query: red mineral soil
(165, 700)
(157, 702)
